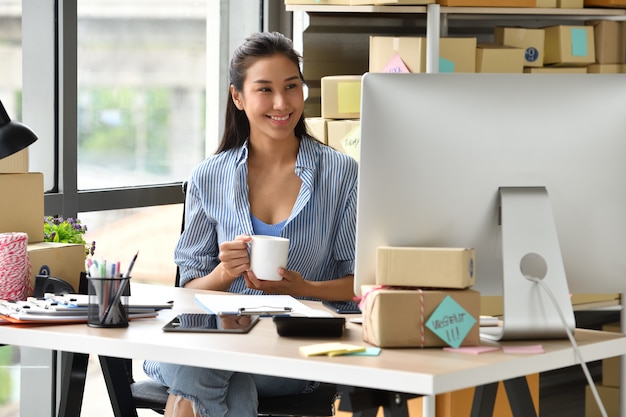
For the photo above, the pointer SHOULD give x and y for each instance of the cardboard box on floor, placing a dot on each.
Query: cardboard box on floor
(455, 54)
(60, 260)
(611, 367)
(21, 204)
(609, 397)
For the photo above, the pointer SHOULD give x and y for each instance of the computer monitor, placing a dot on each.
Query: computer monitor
(440, 152)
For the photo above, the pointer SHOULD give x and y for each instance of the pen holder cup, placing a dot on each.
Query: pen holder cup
(108, 302)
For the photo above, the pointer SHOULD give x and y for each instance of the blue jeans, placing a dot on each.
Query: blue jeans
(218, 393)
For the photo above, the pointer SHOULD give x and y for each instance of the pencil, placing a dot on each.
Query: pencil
(132, 264)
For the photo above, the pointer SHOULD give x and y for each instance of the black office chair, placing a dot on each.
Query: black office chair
(128, 395)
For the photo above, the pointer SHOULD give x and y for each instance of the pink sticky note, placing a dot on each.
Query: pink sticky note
(472, 350)
(523, 349)
(396, 64)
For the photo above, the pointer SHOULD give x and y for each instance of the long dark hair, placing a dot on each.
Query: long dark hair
(258, 45)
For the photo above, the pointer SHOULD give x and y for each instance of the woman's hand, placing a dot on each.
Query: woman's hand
(292, 283)
(234, 256)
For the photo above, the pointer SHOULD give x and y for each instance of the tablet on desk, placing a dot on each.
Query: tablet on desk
(211, 323)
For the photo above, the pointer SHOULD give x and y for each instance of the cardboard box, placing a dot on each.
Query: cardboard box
(15, 164)
(425, 267)
(21, 204)
(610, 41)
(491, 305)
(569, 45)
(609, 397)
(605, 68)
(394, 317)
(332, 2)
(611, 367)
(499, 59)
(605, 3)
(341, 97)
(455, 54)
(531, 40)
(488, 3)
(556, 70)
(60, 260)
(410, 49)
(391, 2)
(341, 130)
(570, 4)
(317, 127)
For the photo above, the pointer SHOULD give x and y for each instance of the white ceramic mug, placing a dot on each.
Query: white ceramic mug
(267, 254)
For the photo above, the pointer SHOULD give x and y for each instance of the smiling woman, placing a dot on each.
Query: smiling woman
(268, 177)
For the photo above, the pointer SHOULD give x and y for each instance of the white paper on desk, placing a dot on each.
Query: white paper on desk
(221, 303)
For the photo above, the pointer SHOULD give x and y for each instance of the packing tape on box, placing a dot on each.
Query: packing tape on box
(14, 266)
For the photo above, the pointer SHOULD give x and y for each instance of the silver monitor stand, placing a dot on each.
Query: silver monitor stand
(530, 247)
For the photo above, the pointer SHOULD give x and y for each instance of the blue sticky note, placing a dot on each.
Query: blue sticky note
(579, 42)
(450, 322)
(369, 351)
(445, 65)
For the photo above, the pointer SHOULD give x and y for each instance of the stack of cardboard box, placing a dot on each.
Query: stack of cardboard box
(22, 208)
(422, 298)
(339, 124)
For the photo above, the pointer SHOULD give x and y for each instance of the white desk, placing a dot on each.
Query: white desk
(419, 371)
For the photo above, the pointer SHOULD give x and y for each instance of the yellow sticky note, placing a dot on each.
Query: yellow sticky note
(349, 95)
(330, 349)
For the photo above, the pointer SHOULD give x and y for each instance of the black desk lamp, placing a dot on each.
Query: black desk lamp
(14, 136)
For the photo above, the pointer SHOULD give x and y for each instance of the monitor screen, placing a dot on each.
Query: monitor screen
(437, 148)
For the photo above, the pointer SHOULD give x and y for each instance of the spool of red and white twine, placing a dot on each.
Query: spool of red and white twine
(14, 266)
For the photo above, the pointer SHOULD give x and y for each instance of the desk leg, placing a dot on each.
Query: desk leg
(517, 391)
(73, 375)
(519, 397)
(484, 400)
(118, 384)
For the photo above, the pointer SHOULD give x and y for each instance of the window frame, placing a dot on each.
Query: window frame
(49, 39)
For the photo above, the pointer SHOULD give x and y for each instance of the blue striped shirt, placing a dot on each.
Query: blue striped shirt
(321, 226)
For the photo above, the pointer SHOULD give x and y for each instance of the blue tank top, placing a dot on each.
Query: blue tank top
(261, 228)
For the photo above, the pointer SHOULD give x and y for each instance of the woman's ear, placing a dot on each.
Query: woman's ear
(236, 97)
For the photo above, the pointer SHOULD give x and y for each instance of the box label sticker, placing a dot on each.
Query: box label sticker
(350, 97)
(579, 42)
(531, 54)
(396, 64)
(445, 65)
(450, 322)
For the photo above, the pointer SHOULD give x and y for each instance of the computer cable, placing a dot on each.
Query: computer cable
(579, 356)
